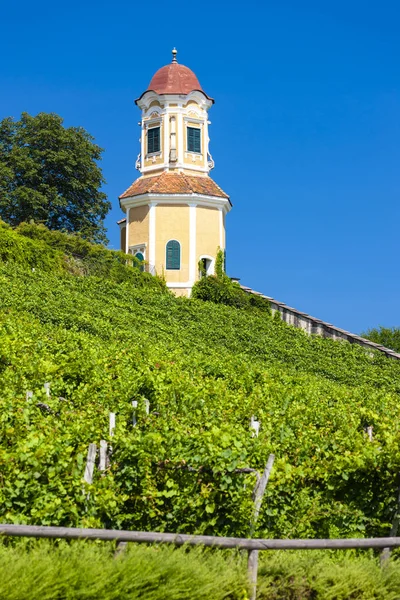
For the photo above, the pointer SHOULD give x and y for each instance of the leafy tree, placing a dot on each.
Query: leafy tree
(386, 336)
(49, 174)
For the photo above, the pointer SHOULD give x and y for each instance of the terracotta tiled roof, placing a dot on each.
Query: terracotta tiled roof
(174, 79)
(174, 183)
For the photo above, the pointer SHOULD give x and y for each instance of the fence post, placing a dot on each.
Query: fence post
(258, 494)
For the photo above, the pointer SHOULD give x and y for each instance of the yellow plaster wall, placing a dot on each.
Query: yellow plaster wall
(139, 226)
(207, 226)
(180, 291)
(123, 238)
(172, 223)
(189, 171)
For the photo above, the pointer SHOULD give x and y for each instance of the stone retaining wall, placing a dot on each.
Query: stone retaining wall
(311, 325)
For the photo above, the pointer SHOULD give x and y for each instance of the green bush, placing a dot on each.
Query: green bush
(35, 246)
(221, 290)
(17, 249)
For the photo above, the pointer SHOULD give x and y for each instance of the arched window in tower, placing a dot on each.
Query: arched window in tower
(173, 255)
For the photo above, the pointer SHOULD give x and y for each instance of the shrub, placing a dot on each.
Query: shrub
(221, 290)
(35, 246)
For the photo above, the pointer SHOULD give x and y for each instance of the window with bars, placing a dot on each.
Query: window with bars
(194, 139)
(173, 258)
(153, 140)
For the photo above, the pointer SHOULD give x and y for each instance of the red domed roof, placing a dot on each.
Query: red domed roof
(174, 79)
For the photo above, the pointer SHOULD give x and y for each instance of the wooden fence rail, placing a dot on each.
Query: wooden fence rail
(178, 539)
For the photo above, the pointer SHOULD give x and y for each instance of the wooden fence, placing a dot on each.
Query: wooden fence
(253, 546)
(180, 539)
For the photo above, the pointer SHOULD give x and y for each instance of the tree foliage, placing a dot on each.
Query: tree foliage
(385, 336)
(50, 174)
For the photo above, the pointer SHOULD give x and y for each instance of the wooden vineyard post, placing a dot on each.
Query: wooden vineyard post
(112, 424)
(103, 455)
(254, 425)
(90, 462)
(134, 406)
(258, 494)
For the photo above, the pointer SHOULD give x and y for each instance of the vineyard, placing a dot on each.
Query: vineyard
(105, 335)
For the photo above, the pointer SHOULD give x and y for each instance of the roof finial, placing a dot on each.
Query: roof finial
(174, 53)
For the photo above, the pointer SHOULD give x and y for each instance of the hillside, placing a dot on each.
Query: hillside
(103, 334)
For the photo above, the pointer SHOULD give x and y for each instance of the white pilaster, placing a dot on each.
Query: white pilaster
(142, 145)
(165, 123)
(127, 231)
(221, 229)
(181, 147)
(152, 234)
(192, 242)
(206, 144)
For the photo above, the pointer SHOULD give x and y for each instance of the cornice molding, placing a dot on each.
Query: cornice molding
(183, 199)
(149, 96)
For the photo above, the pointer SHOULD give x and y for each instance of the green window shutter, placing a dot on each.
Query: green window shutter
(173, 259)
(194, 139)
(153, 140)
(140, 257)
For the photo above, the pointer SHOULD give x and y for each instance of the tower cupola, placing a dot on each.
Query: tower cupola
(174, 123)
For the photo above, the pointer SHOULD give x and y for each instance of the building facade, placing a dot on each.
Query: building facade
(175, 212)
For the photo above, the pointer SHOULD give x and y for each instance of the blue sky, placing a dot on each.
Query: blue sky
(305, 130)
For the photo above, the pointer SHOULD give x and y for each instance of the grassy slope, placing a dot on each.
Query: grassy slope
(51, 571)
(105, 340)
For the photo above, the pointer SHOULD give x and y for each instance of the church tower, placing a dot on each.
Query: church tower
(175, 212)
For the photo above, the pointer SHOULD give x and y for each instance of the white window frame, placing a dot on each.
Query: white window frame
(138, 248)
(211, 268)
